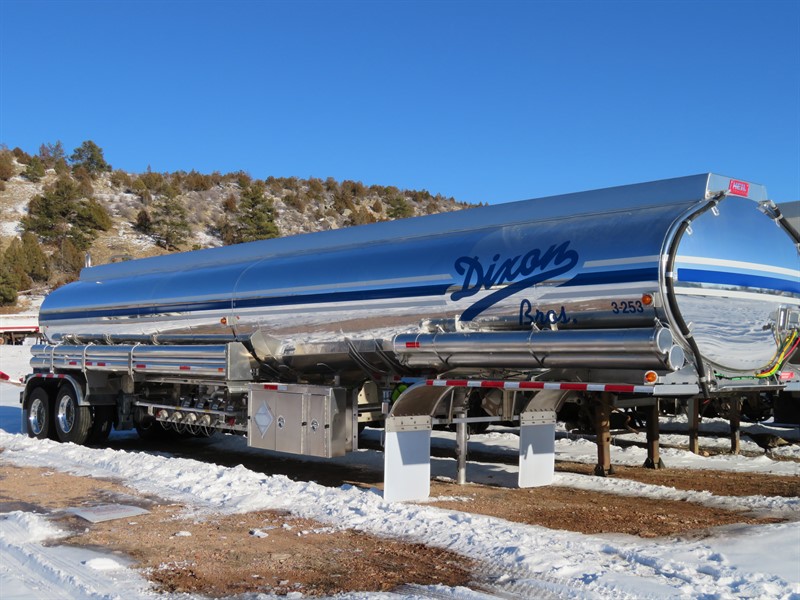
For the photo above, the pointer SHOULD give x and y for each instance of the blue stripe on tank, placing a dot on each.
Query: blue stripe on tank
(738, 279)
(582, 279)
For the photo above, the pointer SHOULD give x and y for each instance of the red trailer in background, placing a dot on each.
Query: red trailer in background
(15, 328)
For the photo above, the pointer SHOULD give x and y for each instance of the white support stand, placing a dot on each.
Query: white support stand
(537, 448)
(407, 459)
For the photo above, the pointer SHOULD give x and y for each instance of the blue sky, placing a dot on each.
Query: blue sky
(484, 101)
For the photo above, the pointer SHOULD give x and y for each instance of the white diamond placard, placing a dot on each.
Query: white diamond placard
(263, 418)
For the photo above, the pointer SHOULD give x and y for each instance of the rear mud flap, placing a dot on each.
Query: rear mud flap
(407, 459)
(537, 452)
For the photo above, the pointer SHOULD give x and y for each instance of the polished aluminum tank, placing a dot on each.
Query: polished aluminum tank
(706, 249)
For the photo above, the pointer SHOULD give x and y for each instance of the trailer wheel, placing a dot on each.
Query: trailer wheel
(38, 415)
(102, 422)
(72, 421)
(147, 426)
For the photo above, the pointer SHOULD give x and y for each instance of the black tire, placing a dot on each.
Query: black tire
(102, 421)
(39, 415)
(72, 421)
(147, 427)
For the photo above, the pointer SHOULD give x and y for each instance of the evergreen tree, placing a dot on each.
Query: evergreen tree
(61, 212)
(35, 169)
(90, 156)
(69, 258)
(61, 167)
(8, 291)
(16, 263)
(170, 226)
(256, 217)
(37, 264)
(399, 208)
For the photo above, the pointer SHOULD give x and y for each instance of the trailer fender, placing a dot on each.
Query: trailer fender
(51, 382)
(407, 446)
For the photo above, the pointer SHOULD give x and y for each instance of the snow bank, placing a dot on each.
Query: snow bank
(526, 557)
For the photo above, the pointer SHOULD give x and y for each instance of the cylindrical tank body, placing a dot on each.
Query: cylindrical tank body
(722, 270)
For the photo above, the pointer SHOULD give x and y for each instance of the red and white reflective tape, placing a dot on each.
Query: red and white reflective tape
(47, 376)
(277, 387)
(544, 385)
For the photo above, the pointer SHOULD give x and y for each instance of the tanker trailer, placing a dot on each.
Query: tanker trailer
(684, 287)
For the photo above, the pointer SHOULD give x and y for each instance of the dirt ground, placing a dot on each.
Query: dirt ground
(274, 552)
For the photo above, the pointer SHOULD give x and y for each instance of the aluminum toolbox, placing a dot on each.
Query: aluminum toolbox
(299, 419)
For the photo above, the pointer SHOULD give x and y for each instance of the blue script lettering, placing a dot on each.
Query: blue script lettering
(541, 319)
(534, 267)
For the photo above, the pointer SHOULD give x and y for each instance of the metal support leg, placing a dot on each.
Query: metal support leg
(461, 449)
(694, 425)
(407, 458)
(602, 426)
(735, 417)
(653, 456)
(537, 448)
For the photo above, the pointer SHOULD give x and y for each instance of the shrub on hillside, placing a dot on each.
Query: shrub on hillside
(154, 182)
(229, 205)
(143, 222)
(315, 188)
(121, 180)
(296, 201)
(50, 154)
(35, 169)
(22, 157)
(6, 165)
(360, 216)
(197, 182)
(139, 187)
(399, 208)
(243, 179)
(84, 179)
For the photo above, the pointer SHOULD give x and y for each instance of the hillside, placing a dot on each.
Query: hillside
(209, 208)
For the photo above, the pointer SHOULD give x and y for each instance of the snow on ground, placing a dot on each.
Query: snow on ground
(524, 561)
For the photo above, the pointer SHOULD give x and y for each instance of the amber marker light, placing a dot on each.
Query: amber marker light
(647, 299)
(650, 377)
